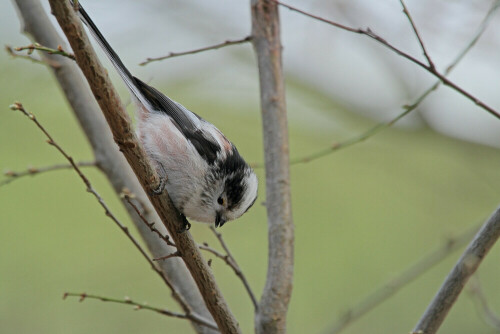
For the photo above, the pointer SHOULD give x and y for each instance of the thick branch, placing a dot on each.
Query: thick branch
(124, 136)
(271, 315)
(107, 156)
(458, 277)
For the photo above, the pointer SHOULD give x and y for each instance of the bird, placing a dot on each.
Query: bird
(202, 171)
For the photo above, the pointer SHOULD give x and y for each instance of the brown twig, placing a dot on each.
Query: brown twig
(142, 306)
(31, 171)
(206, 48)
(128, 198)
(415, 30)
(90, 189)
(460, 274)
(394, 285)
(482, 305)
(406, 109)
(50, 51)
(369, 33)
(174, 254)
(231, 262)
(121, 128)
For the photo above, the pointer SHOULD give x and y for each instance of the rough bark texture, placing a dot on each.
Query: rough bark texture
(271, 315)
(110, 161)
(458, 277)
(124, 136)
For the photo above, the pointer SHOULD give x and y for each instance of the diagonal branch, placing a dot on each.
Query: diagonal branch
(271, 315)
(482, 305)
(109, 160)
(460, 274)
(369, 33)
(90, 189)
(142, 306)
(407, 108)
(124, 136)
(191, 52)
(394, 285)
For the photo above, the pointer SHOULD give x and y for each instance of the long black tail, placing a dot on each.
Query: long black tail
(127, 77)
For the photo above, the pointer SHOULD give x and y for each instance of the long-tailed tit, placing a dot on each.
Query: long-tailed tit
(206, 177)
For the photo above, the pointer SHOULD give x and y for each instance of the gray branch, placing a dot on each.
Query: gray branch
(271, 314)
(110, 161)
(458, 277)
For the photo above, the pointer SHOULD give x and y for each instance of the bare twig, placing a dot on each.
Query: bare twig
(271, 315)
(31, 171)
(190, 52)
(394, 285)
(174, 254)
(369, 33)
(50, 51)
(414, 27)
(166, 238)
(406, 109)
(142, 306)
(90, 189)
(463, 270)
(483, 308)
(231, 262)
(29, 57)
(123, 134)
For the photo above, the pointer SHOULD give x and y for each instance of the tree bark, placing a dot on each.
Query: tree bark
(271, 314)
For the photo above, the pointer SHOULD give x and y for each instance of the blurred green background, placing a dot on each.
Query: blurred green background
(362, 215)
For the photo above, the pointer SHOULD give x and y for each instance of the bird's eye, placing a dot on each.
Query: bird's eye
(220, 200)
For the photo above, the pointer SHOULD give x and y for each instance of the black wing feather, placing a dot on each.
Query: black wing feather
(204, 143)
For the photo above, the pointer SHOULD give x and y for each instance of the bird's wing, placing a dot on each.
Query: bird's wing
(201, 134)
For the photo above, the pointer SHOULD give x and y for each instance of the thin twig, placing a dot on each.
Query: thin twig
(174, 254)
(36, 46)
(175, 294)
(369, 33)
(394, 285)
(414, 27)
(206, 48)
(231, 262)
(454, 283)
(13, 175)
(406, 109)
(142, 306)
(29, 57)
(166, 237)
(483, 308)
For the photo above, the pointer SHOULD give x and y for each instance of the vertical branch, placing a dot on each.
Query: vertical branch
(453, 285)
(271, 315)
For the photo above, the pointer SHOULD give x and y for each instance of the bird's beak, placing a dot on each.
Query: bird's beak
(219, 220)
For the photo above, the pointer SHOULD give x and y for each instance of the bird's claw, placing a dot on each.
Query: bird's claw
(159, 189)
(185, 225)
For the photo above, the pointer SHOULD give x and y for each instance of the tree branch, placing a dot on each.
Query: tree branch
(271, 315)
(406, 109)
(394, 285)
(143, 306)
(191, 52)
(369, 33)
(124, 136)
(458, 277)
(31, 171)
(109, 160)
(482, 305)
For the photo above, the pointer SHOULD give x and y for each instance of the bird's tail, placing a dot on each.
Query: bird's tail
(124, 73)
